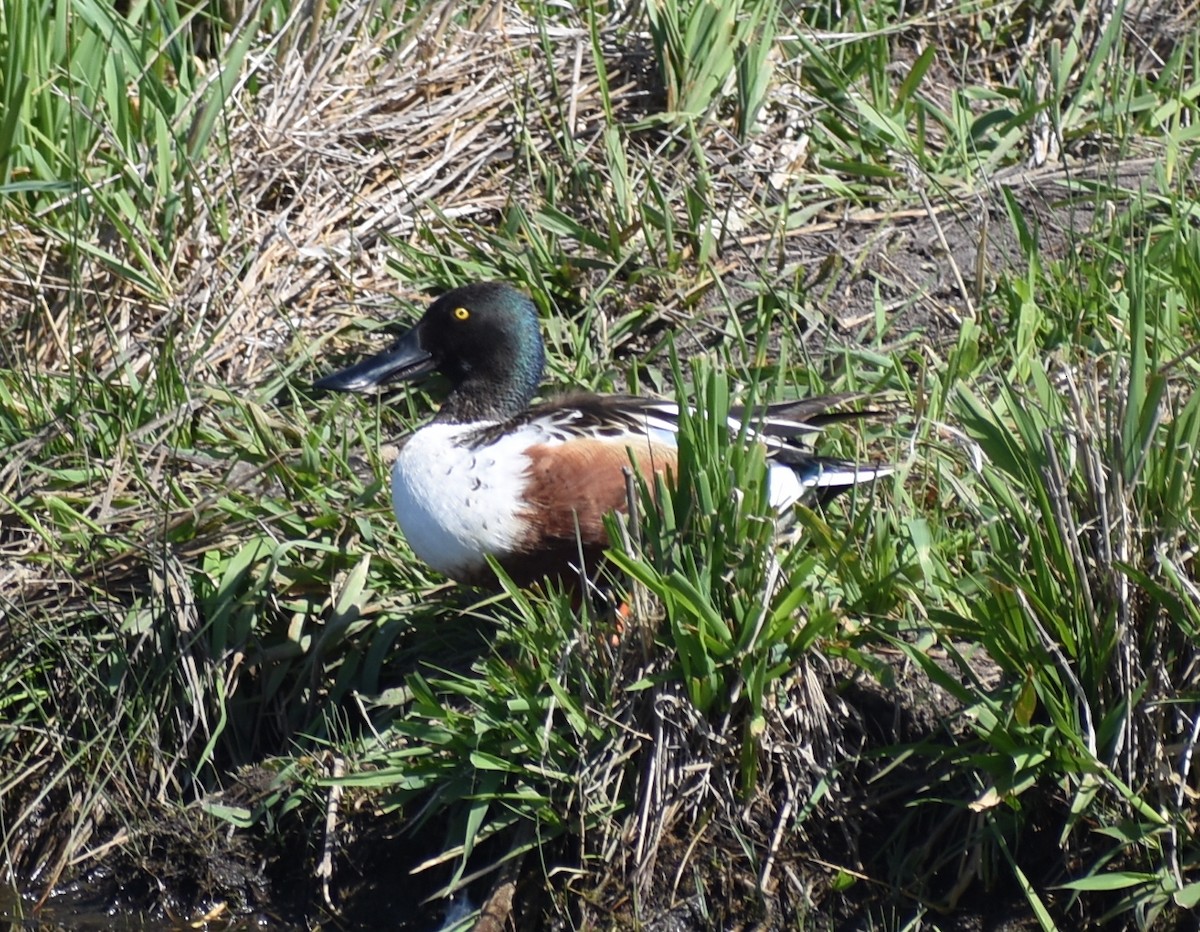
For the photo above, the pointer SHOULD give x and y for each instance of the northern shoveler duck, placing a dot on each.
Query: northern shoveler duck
(491, 475)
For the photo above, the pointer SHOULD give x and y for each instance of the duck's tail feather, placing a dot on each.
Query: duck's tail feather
(796, 476)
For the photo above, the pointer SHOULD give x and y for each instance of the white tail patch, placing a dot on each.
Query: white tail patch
(787, 485)
(837, 476)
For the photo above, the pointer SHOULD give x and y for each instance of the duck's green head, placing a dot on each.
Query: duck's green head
(484, 338)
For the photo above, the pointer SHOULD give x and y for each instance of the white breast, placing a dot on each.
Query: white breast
(455, 504)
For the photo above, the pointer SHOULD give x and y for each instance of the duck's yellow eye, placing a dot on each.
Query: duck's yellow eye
(461, 313)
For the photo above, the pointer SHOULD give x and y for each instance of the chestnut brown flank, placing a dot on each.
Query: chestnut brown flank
(573, 485)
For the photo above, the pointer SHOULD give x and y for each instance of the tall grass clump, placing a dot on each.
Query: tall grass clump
(569, 744)
(702, 46)
(1086, 502)
(107, 116)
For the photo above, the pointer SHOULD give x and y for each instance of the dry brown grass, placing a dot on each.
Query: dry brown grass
(359, 139)
(347, 145)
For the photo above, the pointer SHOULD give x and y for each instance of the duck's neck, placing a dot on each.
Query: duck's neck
(479, 398)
